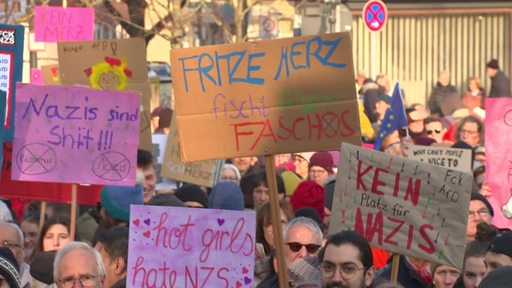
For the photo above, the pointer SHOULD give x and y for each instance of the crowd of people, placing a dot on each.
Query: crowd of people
(94, 252)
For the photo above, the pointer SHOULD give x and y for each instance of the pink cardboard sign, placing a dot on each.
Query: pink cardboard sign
(36, 76)
(75, 135)
(58, 24)
(498, 159)
(190, 247)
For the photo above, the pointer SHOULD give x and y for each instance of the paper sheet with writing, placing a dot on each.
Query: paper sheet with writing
(75, 135)
(190, 247)
(402, 205)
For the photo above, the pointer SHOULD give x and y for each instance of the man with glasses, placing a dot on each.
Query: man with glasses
(11, 237)
(78, 265)
(435, 129)
(346, 261)
(470, 130)
(480, 210)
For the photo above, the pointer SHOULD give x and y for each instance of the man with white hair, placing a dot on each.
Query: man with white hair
(11, 237)
(78, 262)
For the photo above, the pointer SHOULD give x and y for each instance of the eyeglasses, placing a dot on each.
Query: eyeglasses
(467, 132)
(10, 245)
(437, 131)
(87, 281)
(311, 248)
(229, 178)
(348, 270)
(317, 171)
(481, 213)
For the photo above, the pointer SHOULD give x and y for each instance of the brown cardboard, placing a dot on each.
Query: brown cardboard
(314, 95)
(204, 173)
(88, 63)
(51, 74)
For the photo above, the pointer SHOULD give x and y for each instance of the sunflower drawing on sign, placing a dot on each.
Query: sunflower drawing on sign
(111, 74)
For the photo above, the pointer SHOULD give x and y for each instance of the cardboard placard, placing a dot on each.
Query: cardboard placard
(118, 64)
(204, 173)
(59, 24)
(159, 145)
(459, 159)
(51, 74)
(265, 97)
(11, 72)
(402, 205)
(75, 135)
(498, 159)
(190, 247)
(36, 76)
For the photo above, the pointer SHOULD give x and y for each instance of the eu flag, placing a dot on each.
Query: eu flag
(394, 119)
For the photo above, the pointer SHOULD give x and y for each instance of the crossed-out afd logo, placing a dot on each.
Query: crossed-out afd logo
(7, 37)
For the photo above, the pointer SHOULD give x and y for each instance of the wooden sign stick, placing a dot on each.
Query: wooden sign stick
(275, 212)
(72, 225)
(394, 267)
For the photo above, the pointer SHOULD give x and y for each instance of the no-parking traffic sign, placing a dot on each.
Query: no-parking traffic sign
(375, 15)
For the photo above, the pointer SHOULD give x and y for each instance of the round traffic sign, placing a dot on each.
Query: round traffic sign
(375, 15)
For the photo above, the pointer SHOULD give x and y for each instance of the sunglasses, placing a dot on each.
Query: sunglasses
(311, 248)
(437, 131)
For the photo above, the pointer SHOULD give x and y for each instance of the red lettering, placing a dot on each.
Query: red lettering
(237, 229)
(317, 126)
(414, 193)
(294, 127)
(210, 271)
(430, 248)
(188, 276)
(175, 237)
(397, 185)
(360, 175)
(329, 124)
(283, 127)
(394, 231)
(237, 134)
(410, 236)
(271, 134)
(371, 226)
(376, 183)
(351, 131)
(222, 277)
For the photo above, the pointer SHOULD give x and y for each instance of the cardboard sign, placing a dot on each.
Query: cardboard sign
(58, 24)
(75, 135)
(401, 205)
(11, 64)
(118, 64)
(204, 173)
(42, 191)
(265, 97)
(162, 183)
(498, 159)
(51, 74)
(36, 76)
(458, 159)
(190, 247)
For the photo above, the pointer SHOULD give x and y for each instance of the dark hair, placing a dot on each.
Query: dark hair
(475, 248)
(59, 219)
(353, 238)
(433, 119)
(469, 119)
(115, 242)
(144, 158)
(250, 181)
(263, 219)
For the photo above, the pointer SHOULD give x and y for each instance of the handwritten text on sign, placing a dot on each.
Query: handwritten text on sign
(266, 97)
(75, 135)
(458, 159)
(402, 205)
(58, 24)
(188, 247)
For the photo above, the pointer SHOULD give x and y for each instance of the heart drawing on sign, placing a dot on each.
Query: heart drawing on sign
(147, 221)
(247, 280)
(136, 222)
(245, 270)
(220, 221)
(238, 284)
(147, 234)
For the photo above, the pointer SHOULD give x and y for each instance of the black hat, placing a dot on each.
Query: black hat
(502, 244)
(9, 268)
(493, 64)
(480, 197)
(39, 268)
(192, 193)
(498, 278)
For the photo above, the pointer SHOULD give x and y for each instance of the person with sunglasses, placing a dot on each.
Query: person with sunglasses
(435, 129)
(346, 261)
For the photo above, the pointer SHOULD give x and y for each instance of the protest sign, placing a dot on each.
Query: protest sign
(11, 64)
(162, 183)
(401, 205)
(51, 74)
(59, 24)
(265, 97)
(204, 173)
(190, 247)
(118, 64)
(498, 159)
(42, 191)
(75, 135)
(458, 159)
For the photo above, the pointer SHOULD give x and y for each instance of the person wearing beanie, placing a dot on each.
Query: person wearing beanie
(9, 268)
(321, 167)
(166, 199)
(40, 271)
(329, 198)
(499, 253)
(500, 83)
(499, 278)
(309, 194)
(226, 196)
(443, 276)
(301, 162)
(115, 204)
(291, 181)
(480, 210)
(192, 196)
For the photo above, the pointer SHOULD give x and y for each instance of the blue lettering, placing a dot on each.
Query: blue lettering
(204, 70)
(284, 57)
(251, 68)
(185, 70)
(31, 103)
(296, 53)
